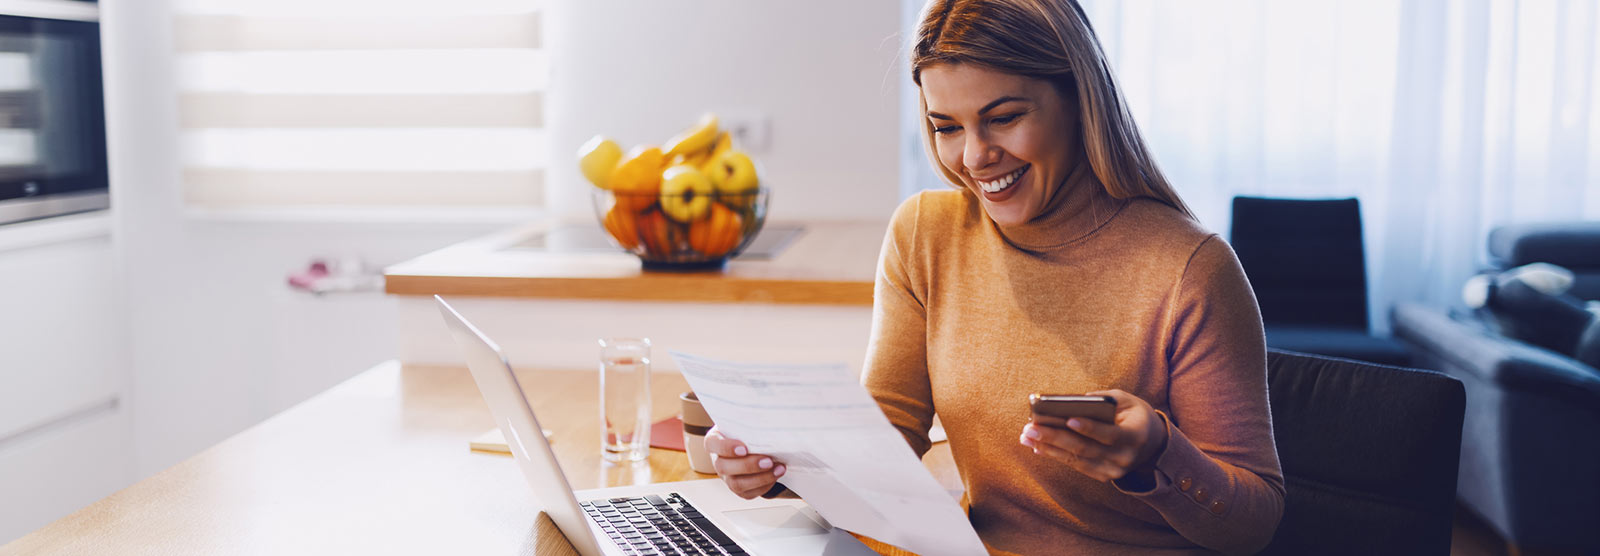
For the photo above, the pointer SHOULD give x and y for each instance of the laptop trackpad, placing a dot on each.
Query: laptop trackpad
(774, 522)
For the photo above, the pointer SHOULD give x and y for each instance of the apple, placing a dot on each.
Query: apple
(685, 193)
(735, 178)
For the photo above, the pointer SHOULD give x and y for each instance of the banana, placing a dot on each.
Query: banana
(724, 142)
(698, 138)
(597, 159)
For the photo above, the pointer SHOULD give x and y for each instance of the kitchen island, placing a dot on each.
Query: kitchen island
(547, 291)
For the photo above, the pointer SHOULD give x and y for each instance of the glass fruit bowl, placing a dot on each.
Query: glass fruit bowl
(682, 233)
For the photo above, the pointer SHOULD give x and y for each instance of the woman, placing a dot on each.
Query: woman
(1064, 264)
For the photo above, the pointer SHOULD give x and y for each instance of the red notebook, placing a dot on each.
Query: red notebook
(667, 434)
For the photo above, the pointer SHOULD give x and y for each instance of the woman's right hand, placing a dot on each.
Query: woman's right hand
(747, 475)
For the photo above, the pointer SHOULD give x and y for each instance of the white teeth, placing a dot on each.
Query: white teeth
(1002, 183)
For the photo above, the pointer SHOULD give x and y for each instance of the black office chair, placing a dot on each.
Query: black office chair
(1307, 264)
(1369, 453)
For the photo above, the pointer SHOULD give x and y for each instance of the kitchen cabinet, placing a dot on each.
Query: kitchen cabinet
(64, 435)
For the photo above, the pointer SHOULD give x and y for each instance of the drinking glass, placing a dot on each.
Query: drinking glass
(625, 398)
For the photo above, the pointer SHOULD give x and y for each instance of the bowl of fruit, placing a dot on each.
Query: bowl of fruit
(687, 205)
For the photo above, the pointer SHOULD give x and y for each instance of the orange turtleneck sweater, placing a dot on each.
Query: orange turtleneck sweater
(1095, 293)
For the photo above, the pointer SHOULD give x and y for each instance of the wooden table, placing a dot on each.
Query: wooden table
(378, 464)
(831, 263)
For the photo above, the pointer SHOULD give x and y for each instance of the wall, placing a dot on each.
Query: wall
(826, 72)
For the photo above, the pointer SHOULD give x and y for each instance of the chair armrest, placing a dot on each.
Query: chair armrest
(1491, 357)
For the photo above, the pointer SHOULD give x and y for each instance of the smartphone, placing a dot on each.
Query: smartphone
(1099, 408)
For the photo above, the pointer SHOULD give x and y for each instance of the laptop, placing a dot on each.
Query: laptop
(680, 518)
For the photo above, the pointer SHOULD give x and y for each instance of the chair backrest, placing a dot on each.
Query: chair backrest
(1369, 453)
(1305, 259)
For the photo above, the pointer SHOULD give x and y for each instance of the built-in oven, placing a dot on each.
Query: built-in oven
(52, 110)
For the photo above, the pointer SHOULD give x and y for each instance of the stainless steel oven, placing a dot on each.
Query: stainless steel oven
(52, 110)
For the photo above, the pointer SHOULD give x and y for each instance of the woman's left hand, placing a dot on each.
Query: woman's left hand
(1105, 451)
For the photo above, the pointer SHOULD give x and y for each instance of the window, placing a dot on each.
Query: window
(360, 102)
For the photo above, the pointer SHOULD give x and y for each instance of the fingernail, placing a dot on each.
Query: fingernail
(1030, 432)
(1074, 423)
(779, 471)
(1027, 442)
(740, 451)
(765, 463)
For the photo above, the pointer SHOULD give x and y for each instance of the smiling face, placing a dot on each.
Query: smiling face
(1011, 139)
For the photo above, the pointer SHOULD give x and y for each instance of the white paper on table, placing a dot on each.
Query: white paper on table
(842, 454)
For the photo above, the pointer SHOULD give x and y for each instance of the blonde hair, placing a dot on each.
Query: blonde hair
(1049, 40)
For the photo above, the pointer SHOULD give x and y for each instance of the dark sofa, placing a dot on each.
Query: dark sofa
(1530, 448)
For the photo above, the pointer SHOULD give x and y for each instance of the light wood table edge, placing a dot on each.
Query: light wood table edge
(619, 277)
(670, 288)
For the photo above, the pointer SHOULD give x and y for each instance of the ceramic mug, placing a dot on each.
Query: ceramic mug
(696, 423)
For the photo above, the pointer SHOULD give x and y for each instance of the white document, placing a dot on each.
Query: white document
(842, 454)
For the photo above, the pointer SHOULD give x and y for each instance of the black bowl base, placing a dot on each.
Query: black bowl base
(693, 266)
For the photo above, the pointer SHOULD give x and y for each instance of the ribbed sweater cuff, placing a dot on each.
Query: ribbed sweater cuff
(1187, 481)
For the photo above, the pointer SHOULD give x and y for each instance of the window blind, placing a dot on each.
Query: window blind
(360, 102)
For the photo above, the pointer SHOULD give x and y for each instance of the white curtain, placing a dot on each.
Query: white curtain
(1446, 119)
(420, 103)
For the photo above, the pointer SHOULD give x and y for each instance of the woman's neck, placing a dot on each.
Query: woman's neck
(1077, 208)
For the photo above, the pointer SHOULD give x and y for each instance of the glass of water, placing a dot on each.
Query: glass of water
(625, 398)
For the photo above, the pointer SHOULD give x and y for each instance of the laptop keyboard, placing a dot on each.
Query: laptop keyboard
(652, 525)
